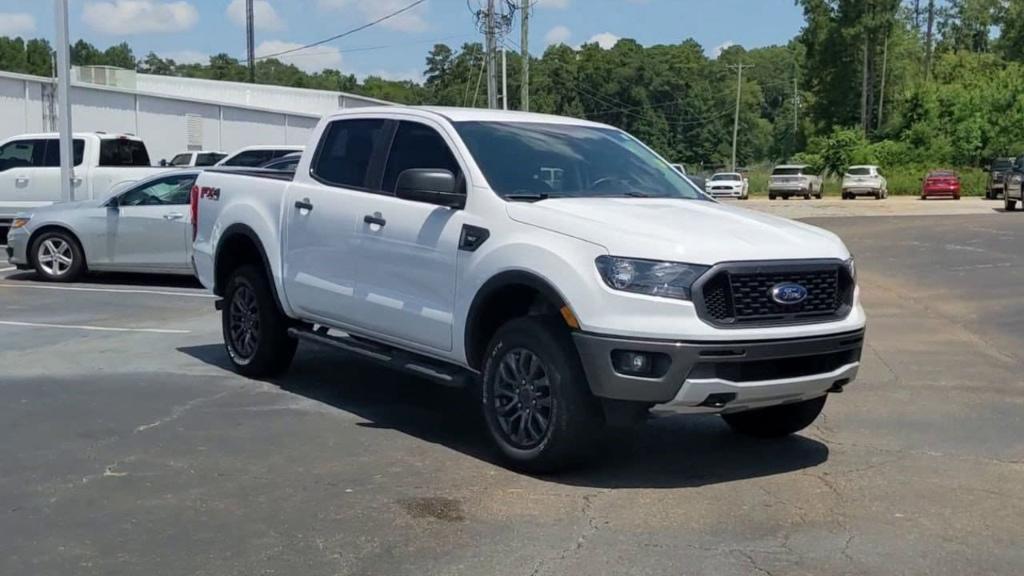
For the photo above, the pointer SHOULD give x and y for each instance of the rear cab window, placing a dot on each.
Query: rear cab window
(209, 159)
(251, 158)
(123, 152)
(181, 160)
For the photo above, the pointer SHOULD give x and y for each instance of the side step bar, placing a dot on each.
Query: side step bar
(444, 374)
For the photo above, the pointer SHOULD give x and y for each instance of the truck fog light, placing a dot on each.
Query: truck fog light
(642, 364)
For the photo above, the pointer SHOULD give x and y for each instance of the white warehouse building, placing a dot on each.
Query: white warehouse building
(171, 114)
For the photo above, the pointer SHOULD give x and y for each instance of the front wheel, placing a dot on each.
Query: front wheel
(255, 330)
(57, 257)
(536, 401)
(1008, 204)
(776, 421)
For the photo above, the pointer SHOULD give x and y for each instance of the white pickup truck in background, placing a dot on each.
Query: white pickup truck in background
(30, 169)
(436, 241)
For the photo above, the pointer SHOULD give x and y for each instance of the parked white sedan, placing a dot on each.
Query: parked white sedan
(728, 185)
(144, 226)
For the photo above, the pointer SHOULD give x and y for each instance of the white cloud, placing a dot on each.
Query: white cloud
(15, 23)
(558, 35)
(311, 59)
(413, 20)
(723, 47)
(130, 17)
(605, 40)
(263, 13)
(186, 56)
(556, 4)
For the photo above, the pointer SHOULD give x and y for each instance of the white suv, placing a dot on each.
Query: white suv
(557, 267)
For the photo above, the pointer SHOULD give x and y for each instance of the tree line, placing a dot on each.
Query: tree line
(908, 84)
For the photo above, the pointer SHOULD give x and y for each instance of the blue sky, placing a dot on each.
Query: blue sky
(193, 29)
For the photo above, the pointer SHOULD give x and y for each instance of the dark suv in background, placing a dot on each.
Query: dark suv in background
(999, 170)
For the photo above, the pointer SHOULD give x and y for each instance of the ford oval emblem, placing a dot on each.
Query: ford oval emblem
(788, 293)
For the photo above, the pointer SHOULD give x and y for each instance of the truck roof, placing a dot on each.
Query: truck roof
(454, 114)
(100, 135)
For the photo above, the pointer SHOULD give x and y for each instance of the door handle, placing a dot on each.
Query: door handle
(21, 180)
(304, 204)
(374, 219)
(174, 216)
(76, 181)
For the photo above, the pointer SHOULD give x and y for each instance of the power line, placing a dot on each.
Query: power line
(346, 33)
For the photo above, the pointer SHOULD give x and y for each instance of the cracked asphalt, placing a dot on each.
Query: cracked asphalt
(141, 453)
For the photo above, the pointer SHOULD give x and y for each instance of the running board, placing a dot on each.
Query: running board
(444, 374)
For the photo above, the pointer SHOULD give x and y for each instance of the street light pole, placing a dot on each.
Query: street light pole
(63, 73)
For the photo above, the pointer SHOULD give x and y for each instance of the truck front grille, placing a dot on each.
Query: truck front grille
(740, 295)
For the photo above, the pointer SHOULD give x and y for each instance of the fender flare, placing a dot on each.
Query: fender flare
(496, 283)
(240, 229)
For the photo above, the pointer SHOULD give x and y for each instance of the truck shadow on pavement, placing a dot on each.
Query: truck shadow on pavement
(665, 452)
(114, 280)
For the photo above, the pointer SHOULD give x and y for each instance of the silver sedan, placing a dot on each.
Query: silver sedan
(143, 226)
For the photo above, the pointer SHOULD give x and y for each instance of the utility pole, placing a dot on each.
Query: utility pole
(881, 95)
(504, 79)
(250, 33)
(491, 33)
(63, 71)
(736, 122)
(928, 40)
(524, 42)
(796, 103)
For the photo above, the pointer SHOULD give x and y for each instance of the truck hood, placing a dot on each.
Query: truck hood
(692, 231)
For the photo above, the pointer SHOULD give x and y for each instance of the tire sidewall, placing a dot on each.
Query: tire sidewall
(504, 341)
(239, 281)
(77, 264)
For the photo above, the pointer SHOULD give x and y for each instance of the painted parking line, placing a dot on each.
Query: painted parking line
(92, 328)
(7, 269)
(111, 290)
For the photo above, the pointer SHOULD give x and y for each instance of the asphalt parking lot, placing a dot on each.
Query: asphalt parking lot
(129, 448)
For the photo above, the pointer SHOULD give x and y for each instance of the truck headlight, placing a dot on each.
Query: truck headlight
(19, 223)
(651, 277)
(851, 267)
(1016, 178)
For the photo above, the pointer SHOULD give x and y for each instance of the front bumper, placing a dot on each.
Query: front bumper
(722, 376)
(17, 247)
(727, 193)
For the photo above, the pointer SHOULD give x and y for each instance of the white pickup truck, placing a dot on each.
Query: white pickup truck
(30, 168)
(434, 240)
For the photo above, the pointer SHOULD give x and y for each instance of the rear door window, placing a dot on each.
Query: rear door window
(53, 152)
(123, 152)
(345, 157)
(170, 191)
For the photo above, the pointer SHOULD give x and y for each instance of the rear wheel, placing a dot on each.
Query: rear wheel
(771, 196)
(255, 330)
(57, 257)
(536, 401)
(776, 421)
(1008, 204)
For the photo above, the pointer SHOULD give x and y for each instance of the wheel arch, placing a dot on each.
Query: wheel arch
(54, 227)
(239, 245)
(505, 296)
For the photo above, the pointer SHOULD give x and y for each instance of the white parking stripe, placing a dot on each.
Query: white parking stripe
(7, 269)
(110, 290)
(93, 328)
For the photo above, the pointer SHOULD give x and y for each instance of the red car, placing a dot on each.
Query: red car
(945, 183)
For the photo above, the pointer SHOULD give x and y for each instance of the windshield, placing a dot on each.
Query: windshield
(536, 161)
(859, 171)
(1002, 164)
(788, 172)
(720, 177)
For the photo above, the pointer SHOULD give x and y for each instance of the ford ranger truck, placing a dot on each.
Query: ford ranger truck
(558, 268)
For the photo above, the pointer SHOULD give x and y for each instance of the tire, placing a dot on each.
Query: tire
(877, 195)
(807, 196)
(57, 256)
(771, 196)
(776, 421)
(255, 331)
(527, 348)
(1008, 204)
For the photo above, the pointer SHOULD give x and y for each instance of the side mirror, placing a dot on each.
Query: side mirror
(114, 202)
(431, 186)
(163, 162)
